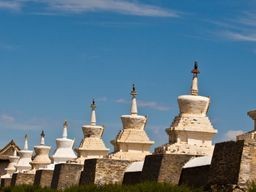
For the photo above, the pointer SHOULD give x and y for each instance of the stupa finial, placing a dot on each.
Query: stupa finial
(93, 114)
(65, 129)
(42, 138)
(26, 142)
(194, 87)
(134, 110)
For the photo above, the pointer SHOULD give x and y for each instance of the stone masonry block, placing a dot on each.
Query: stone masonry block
(43, 178)
(103, 171)
(164, 167)
(66, 175)
(22, 179)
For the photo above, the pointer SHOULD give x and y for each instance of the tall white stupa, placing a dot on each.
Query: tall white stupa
(191, 132)
(132, 142)
(92, 145)
(10, 169)
(41, 159)
(64, 151)
(25, 158)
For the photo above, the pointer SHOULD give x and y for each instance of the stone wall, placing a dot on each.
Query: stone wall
(164, 167)
(225, 163)
(6, 182)
(195, 176)
(131, 178)
(43, 178)
(247, 171)
(22, 179)
(66, 175)
(103, 171)
(3, 164)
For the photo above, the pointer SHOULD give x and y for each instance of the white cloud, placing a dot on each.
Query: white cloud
(231, 134)
(7, 119)
(10, 5)
(122, 101)
(79, 6)
(236, 36)
(153, 105)
(147, 104)
(10, 122)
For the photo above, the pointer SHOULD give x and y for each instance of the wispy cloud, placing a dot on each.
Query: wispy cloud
(231, 134)
(242, 28)
(127, 7)
(10, 122)
(10, 5)
(147, 104)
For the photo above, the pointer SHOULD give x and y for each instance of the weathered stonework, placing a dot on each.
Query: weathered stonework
(103, 171)
(66, 175)
(6, 182)
(43, 178)
(195, 176)
(131, 178)
(164, 167)
(22, 179)
(226, 162)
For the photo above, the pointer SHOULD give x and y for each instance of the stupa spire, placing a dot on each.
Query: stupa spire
(93, 114)
(42, 138)
(65, 129)
(26, 142)
(134, 110)
(194, 87)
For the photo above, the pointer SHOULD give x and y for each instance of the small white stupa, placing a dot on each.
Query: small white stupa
(191, 132)
(132, 142)
(64, 151)
(25, 158)
(11, 166)
(41, 159)
(92, 146)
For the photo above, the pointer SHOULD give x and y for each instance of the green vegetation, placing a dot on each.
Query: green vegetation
(143, 187)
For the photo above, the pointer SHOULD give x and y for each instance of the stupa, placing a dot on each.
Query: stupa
(132, 142)
(25, 158)
(191, 132)
(41, 159)
(92, 145)
(11, 166)
(64, 151)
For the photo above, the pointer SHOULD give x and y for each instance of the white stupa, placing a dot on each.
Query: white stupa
(191, 132)
(132, 142)
(64, 151)
(92, 145)
(25, 158)
(10, 169)
(41, 159)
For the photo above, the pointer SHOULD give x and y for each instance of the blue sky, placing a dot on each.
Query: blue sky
(56, 55)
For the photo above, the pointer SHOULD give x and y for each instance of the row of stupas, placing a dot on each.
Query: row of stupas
(191, 132)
